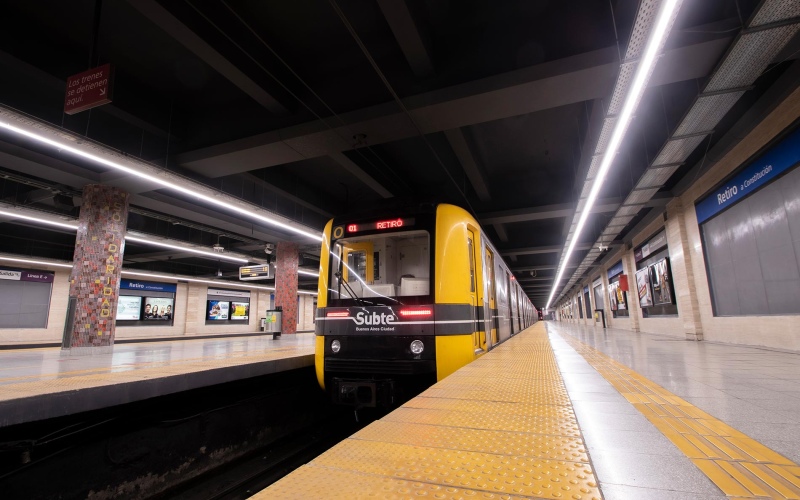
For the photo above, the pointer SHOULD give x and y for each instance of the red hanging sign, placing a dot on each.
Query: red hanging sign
(88, 89)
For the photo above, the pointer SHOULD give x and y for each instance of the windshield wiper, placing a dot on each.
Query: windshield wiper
(349, 289)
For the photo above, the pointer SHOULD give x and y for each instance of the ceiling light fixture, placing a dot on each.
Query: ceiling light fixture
(65, 225)
(35, 262)
(158, 178)
(308, 273)
(213, 255)
(644, 70)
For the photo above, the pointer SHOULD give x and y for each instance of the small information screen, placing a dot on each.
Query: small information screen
(250, 273)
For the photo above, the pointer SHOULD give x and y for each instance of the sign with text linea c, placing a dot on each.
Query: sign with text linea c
(89, 89)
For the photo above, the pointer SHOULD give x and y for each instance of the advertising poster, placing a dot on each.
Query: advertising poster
(158, 308)
(643, 286)
(661, 287)
(129, 307)
(612, 295)
(240, 311)
(621, 304)
(218, 310)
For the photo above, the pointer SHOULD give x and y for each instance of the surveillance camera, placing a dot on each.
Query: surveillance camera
(269, 248)
(218, 248)
(602, 248)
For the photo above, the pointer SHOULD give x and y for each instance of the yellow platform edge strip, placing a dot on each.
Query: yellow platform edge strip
(739, 465)
(454, 441)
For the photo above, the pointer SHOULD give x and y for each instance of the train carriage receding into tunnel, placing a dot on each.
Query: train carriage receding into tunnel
(407, 297)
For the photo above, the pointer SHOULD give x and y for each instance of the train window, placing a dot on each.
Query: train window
(357, 262)
(471, 256)
(384, 268)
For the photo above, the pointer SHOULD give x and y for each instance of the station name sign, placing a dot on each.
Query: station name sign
(147, 286)
(251, 273)
(88, 89)
(16, 275)
(779, 159)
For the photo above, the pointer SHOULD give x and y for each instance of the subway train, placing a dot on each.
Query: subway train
(406, 297)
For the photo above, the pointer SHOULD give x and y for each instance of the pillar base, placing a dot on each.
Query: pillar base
(87, 351)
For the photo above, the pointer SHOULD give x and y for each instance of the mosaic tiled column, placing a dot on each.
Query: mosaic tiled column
(286, 284)
(94, 281)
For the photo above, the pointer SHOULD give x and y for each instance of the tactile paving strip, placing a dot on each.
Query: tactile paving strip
(739, 465)
(479, 434)
(484, 407)
(480, 440)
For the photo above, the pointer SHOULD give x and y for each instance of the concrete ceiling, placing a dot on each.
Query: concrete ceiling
(489, 105)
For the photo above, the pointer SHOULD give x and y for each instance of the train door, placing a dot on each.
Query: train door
(490, 290)
(512, 307)
(477, 342)
(359, 258)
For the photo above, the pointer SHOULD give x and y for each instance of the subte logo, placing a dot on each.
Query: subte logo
(374, 318)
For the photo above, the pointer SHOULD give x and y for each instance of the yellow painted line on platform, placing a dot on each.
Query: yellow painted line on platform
(738, 464)
(477, 434)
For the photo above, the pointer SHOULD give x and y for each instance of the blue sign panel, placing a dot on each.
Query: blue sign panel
(148, 286)
(615, 269)
(771, 164)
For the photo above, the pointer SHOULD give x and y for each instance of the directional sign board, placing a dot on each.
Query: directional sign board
(250, 273)
(88, 89)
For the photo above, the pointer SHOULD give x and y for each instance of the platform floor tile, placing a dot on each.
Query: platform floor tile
(473, 435)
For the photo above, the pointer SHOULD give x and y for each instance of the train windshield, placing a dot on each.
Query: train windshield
(385, 268)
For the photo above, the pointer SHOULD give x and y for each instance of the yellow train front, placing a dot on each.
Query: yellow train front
(407, 297)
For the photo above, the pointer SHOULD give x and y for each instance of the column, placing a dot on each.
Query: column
(96, 268)
(634, 309)
(682, 271)
(286, 284)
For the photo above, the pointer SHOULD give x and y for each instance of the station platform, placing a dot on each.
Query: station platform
(41, 383)
(569, 412)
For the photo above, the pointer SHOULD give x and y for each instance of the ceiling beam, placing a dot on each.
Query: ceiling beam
(539, 268)
(544, 212)
(549, 85)
(359, 174)
(540, 250)
(501, 232)
(162, 18)
(408, 36)
(460, 147)
(302, 201)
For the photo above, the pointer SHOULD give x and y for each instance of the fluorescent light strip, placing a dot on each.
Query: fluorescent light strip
(149, 176)
(187, 249)
(643, 72)
(308, 273)
(74, 227)
(36, 262)
(65, 225)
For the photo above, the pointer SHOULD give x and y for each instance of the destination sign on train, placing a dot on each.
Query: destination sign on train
(380, 225)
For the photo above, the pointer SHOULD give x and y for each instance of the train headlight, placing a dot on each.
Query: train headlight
(417, 347)
(335, 346)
